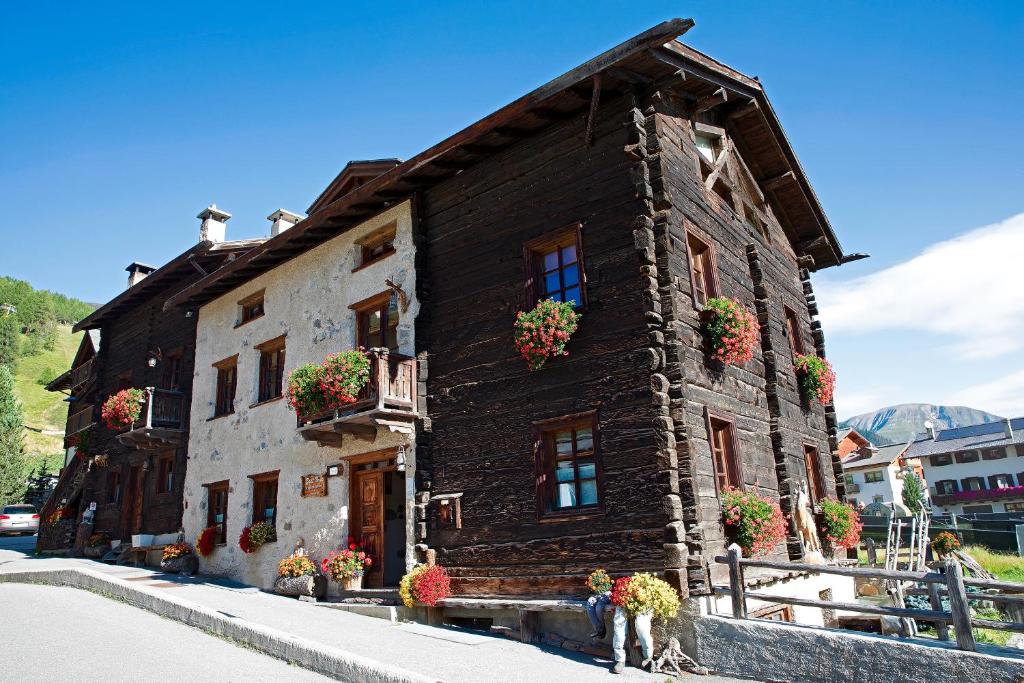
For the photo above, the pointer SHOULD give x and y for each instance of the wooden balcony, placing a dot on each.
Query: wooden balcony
(81, 374)
(388, 401)
(161, 422)
(79, 422)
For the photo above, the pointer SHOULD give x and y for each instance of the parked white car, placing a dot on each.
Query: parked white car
(19, 519)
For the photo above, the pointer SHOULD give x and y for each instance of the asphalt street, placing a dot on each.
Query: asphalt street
(50, 633)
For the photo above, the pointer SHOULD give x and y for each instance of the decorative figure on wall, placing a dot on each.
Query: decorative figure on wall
(403, 298)
(673, 660)
(300, 547)
(804, 520)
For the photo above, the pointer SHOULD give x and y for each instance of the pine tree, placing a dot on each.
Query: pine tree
(8, 340)
(12, 457)
(913, 493)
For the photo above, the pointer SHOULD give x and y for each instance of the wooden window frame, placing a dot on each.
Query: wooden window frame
(961, 457)
(873, 473)
(258, 481)
(993, 481)
(545, 467)
(533, 256)
(734, 464)
(222, 366)
(172, 370)
(270, 388)
(994, 453)
(796, 340)
(982, 484)
(934, 459)
(248, 302)
(710, 284)
(164, 467)
(785, 611)
(817, 489)
(211, 490)
(385, 235)
(378, 303)
(953, 488)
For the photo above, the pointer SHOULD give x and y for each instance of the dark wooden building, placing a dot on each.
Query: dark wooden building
(134, 476)
(651, 178)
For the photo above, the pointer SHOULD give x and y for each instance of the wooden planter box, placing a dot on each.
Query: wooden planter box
(96, 551)
(313, 585)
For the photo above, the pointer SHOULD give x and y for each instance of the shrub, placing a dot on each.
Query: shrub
(732, 330)
(945, 543)
(122, 409)
(316, 389)
(543, 332)
(755, 523)
(296, 565)
(425, 584)
(645, 593)
(206, 541)
(599, 581)
(841, 524)
(817, 379)
(175, 550)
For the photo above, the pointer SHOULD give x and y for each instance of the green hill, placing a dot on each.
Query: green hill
(45, 411)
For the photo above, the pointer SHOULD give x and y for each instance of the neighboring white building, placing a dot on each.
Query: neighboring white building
(248, 459)
(974, 469)
(875, 474)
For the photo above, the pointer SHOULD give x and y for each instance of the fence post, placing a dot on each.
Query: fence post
(958, 605)
(1019, 528)
(872, 552)
(739, 598)
(936, 602)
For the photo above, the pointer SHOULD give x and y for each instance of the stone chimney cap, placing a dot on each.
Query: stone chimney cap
(213, 212)
(136, 267)
(285, 214)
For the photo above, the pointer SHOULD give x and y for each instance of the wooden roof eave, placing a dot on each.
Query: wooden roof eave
(377, 194)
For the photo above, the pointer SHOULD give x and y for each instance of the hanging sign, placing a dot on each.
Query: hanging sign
(314, 486)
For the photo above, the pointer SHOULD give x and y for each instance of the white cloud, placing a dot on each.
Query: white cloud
(850, 403)
(970, 288)
(1003, 396)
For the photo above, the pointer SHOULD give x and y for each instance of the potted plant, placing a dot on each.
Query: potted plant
(314, 389)
(207, 540)
(754, 522)
(642, 597)
(254, 536)
(731, 330)
(297, 575)
(840, 524)
(426, 584)
(543, 332)
(97, 545)
(178, 558)
(816, 377)
(121, 410)
(945, 544)
(347, 566)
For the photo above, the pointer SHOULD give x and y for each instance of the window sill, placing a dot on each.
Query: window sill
(241, 323)
(222, 415)
(559, 517)
(373, 261)
(266, 401)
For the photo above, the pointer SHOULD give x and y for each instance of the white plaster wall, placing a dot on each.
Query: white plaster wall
(307, 299)
(890, 488)
(808, 587)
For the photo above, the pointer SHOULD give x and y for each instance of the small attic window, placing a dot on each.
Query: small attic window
(708, 146)
(250, 308)
(377, 246)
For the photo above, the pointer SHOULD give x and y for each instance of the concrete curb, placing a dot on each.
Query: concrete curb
(324, 659)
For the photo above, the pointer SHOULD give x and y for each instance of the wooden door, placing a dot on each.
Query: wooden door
(368, 521)
(131, 506)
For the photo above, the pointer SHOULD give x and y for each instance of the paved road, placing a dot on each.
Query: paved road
(65, 634)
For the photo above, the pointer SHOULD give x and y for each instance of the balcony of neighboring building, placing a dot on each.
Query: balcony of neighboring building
(388, 401)
(161, 421)
(79, 419)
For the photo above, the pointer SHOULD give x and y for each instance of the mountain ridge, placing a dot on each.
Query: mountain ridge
(898, 423)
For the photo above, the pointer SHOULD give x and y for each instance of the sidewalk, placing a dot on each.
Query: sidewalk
(320, 638)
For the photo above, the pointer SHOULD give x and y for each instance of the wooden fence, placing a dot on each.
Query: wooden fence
(948, 582)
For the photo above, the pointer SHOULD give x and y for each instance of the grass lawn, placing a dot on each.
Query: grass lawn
(44, 409)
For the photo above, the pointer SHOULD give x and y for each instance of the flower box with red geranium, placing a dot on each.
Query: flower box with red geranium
(543, 332)
(314, 389)
(347, 566)
(816, 377)
(254, 536)
(425, 584)
(207, 540)
(731, 330)
(840, 524)
(754, 522)
(121, 410)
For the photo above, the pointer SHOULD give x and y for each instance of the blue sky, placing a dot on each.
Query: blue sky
(118, 123)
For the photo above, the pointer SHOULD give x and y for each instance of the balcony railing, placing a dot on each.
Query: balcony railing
(971, 496)
(387, 400)
(81, 374)
(80, 421)
(161, 421)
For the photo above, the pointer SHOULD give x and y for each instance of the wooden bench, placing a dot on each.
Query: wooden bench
(139, 553)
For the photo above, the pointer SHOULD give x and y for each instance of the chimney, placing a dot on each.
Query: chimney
(281, 220)
(1007, 428)
(931, 430)
(136, 272)
(214, 225)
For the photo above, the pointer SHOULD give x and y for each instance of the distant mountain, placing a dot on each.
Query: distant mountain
(896, 424)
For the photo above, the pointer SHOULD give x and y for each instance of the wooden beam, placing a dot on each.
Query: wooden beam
(811, 245)
(595, 98)
(751, 107)
(772, 184)
(628, 75)
(720, 96)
